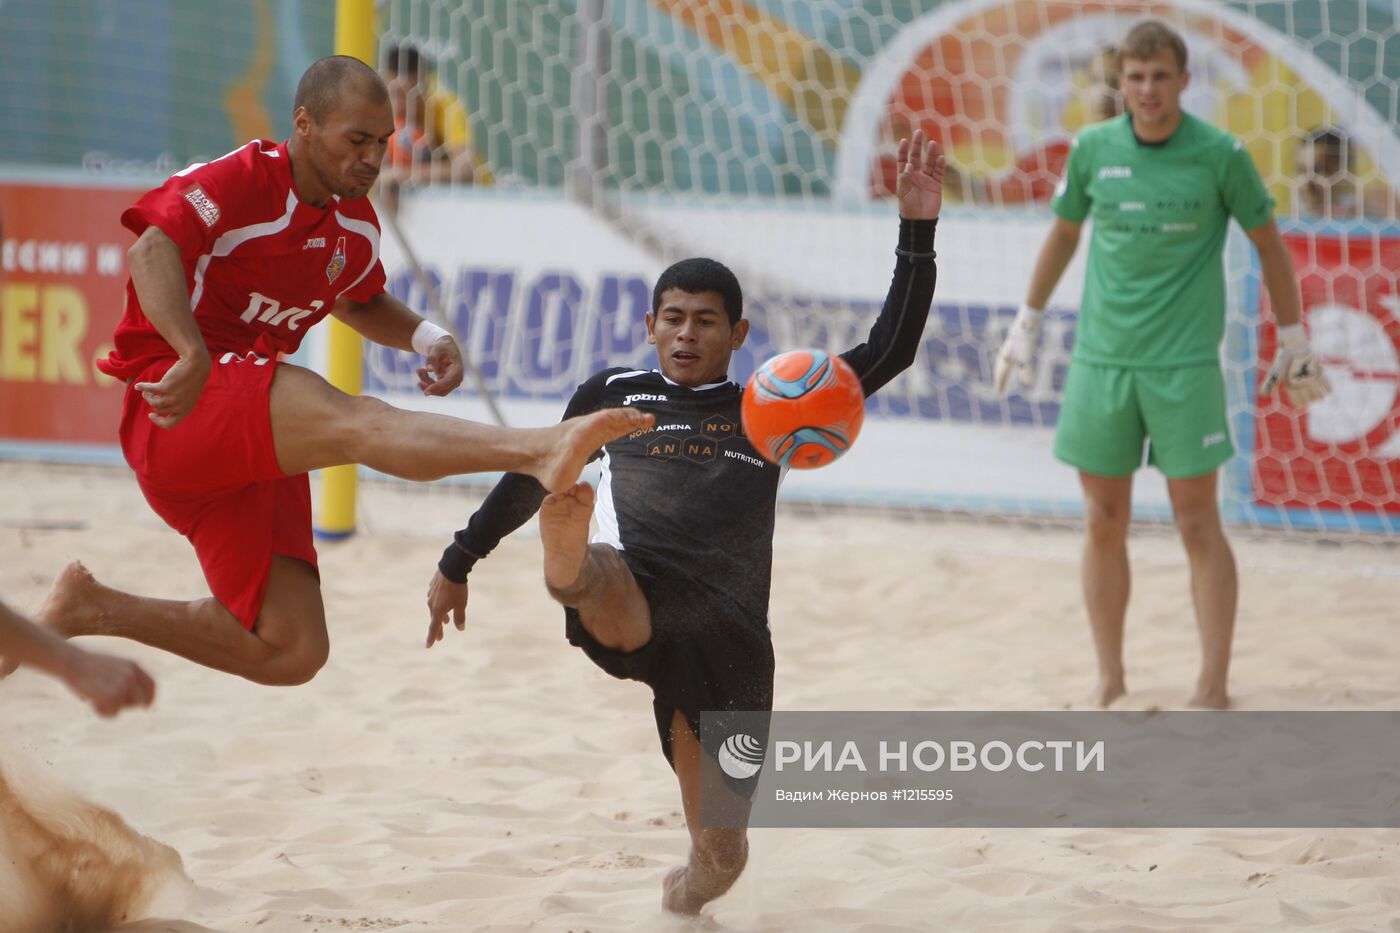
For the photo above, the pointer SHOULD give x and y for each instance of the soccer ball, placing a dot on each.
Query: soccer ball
(803, 409)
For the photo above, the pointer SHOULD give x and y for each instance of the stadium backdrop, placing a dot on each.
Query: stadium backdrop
(781, 183)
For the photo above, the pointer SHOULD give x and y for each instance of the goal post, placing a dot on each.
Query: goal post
(335, 518)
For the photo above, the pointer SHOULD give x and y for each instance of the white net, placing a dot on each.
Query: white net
(143, 89)
(556, 154)
(618, 135)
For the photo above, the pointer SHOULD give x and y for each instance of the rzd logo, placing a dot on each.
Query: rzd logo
(267, 310)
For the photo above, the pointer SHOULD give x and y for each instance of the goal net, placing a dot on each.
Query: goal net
(609, 137)
(556, 155)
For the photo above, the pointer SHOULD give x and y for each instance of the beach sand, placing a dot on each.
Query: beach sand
(501, 782)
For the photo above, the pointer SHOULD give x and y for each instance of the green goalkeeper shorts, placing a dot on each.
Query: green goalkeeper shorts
(1109, 411)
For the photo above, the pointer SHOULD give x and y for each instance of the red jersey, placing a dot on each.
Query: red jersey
(261, 266)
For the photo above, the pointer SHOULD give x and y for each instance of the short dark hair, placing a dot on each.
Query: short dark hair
(1332, 138)
(403, 59)
(698, 275)
(1148, 38)
(324, 85)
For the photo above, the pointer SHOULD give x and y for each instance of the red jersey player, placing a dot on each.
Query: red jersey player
(234, 261)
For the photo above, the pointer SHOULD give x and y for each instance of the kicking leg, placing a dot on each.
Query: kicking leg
(1106, 577)
(1214, 583)
(591, 579)
(717, 854)
(287, 645)
(595, 581)
(315, 425)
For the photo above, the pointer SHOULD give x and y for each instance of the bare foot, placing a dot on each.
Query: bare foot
(564, 532)
(675, 893)
(1106, 692)
(702, 879)
(71, 606)
(1209, 698)
(572, 442)
(67, 607)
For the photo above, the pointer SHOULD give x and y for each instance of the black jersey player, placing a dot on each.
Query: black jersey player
(673, 591)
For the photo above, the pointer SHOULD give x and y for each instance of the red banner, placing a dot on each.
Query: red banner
(1343, 452)
(62, 278)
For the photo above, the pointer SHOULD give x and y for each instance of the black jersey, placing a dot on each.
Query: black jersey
(690, 498)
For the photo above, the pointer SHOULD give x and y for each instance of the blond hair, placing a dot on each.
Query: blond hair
(1150, 37)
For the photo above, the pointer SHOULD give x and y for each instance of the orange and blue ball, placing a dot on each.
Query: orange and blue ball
(803, 409)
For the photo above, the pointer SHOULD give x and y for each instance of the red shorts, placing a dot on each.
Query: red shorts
(214, 478)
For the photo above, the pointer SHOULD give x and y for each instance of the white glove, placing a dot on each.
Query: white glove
(1303, 380)
(1018, 352)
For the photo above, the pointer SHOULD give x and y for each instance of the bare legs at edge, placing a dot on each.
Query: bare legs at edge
(314, 426)
(1106, 580)
(595, 581)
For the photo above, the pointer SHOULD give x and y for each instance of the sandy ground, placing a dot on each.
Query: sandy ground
(500, 782)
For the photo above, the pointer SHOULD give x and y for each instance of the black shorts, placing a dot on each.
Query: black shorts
(705, 653)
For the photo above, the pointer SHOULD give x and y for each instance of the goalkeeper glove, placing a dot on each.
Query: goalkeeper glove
(1018, 352)
(1303, 380)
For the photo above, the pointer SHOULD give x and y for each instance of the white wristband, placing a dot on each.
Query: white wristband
(425, 335)
(1292, 337)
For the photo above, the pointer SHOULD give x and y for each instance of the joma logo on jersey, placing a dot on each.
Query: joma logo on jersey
(315, 242)
(337, 263)
(1115, 171)
(643, 397)
(267, 310)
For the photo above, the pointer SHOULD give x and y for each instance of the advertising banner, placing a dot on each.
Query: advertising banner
(544, 293)
(62, 278)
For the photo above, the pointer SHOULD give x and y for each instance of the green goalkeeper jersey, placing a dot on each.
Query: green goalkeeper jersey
(1154, 292)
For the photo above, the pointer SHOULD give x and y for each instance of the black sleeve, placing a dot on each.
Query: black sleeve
(895, 336)
(514, 500)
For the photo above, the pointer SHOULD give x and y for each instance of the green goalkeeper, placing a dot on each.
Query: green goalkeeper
(1161, 186)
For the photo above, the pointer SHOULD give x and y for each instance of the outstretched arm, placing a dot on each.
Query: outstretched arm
(109, 684)
(512, 503)
(390, 323)
(894, 338)
(508, 506)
